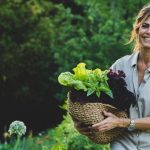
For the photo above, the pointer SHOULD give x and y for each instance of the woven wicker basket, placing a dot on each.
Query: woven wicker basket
(91, 113)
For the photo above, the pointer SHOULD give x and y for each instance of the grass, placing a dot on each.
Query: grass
(63, 137)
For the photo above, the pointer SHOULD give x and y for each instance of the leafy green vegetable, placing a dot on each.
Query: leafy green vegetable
(90, 81)
(66, 79)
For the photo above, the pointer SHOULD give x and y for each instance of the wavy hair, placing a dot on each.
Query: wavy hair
(143, 14)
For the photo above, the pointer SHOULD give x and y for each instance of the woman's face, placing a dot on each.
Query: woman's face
(144, 34)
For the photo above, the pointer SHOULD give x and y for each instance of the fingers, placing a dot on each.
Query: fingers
(108, 114)
(99, 126)
(105, 125)
(102, 127)
(94, 126)
(102, 123)
(109, 123)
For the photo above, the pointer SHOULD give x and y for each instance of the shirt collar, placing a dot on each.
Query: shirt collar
(148, 69)
(134, 60)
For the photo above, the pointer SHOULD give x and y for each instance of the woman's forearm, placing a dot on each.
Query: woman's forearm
(140, 123)
(123, 122)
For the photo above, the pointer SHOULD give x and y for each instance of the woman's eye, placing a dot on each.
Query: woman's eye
(145, 25)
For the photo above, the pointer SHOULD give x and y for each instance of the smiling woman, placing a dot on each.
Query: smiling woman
(141, 29)
(137, 69)
(144, 33)
(137, 66)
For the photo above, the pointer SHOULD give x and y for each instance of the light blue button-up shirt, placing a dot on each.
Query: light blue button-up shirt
(134, 140)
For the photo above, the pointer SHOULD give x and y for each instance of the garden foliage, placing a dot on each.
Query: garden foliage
(39, 39)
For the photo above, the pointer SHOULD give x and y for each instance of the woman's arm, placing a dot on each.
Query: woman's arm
(142, 123)
(112, 122)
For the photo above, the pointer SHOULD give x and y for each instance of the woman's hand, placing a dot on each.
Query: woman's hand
(109, 123)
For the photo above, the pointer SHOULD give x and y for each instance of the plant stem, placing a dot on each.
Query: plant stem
(17, 142)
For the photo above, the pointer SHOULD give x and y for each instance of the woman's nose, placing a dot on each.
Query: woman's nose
(148, 30)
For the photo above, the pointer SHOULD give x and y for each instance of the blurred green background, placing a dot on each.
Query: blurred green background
(39, 39)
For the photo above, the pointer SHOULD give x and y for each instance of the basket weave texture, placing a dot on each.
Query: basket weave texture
(91, 113)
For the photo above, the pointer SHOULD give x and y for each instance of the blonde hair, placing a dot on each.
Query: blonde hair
(143, 14)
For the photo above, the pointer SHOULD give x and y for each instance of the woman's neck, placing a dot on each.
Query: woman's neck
(144, 57)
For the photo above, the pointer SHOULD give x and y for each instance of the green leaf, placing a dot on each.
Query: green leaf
(109, 93)
(98, 93)
(78, 85)
(65, 78)
(103, 88)
(90, 91)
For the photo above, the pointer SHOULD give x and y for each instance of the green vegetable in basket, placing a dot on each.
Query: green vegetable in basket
(90, 81)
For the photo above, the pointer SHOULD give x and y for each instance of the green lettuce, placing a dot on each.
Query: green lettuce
(90, 81)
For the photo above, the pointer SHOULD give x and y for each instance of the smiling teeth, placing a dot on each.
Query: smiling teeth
(147, 38)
